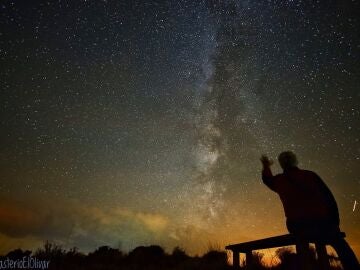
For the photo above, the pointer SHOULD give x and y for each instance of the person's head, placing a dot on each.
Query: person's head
(287, 160)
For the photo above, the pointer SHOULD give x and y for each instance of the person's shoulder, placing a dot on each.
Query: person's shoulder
(309, 173)
(279, 176)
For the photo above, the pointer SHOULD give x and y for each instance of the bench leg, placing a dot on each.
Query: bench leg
(322, 256)
(249, 260)
(236, 260)
(303, 254)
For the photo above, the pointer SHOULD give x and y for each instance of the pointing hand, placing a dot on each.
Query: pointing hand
(266, 162)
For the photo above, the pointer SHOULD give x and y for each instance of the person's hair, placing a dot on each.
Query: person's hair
(287, 160)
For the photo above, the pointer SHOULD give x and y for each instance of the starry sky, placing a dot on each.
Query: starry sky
(128, 123)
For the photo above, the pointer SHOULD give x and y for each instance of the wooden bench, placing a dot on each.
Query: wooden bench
(301, 244)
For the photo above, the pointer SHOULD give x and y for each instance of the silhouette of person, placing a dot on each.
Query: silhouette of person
(310, 207)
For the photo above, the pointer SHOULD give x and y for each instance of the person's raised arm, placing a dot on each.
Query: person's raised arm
(267, 175)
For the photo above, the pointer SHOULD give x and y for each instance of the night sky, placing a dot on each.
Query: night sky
(128, 123)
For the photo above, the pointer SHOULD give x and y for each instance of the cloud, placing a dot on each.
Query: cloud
(17, 221)
(28, 222)
(153, 222)
(23, 218)
(74, 224)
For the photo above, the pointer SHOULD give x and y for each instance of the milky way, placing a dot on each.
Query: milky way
(127, 123)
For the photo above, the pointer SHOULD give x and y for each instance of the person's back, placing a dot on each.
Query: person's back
(305, 197)
(309, 206)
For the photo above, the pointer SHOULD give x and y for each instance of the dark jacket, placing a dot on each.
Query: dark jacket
(304, 195)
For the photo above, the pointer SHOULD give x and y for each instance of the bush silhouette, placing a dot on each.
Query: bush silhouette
(18, 254)
(151, 258)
